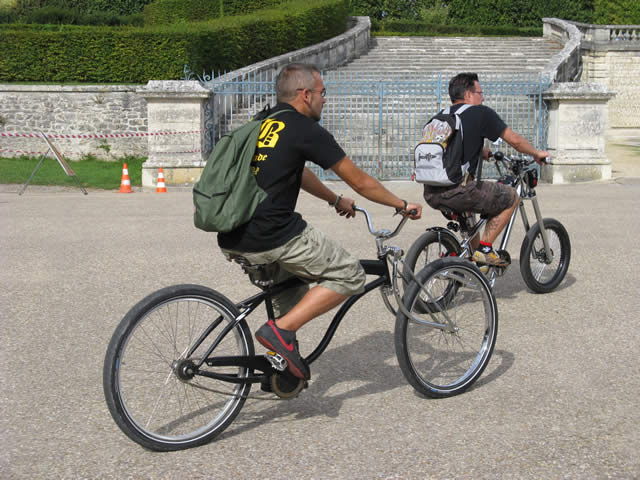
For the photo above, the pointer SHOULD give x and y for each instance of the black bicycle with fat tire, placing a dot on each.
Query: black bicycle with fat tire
(181, 363)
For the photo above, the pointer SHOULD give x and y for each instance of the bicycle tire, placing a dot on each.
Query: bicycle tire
(439, 363)
(147, 399)
(539, 275)
(428, 247)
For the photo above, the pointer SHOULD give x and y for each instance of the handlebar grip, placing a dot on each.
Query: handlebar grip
(412, 212)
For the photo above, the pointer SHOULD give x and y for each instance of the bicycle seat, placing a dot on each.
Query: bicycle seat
(450, 214)
(257, 273)
(459, 217)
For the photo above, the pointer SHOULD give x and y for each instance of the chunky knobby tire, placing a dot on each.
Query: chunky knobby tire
(543, 275)
(445, 362)
(149, 395)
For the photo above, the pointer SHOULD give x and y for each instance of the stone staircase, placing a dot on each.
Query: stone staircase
(382, 130)
(501, 62)
(455, 54)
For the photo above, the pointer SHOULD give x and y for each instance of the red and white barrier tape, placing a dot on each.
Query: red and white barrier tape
(97, 135)
(5, 150)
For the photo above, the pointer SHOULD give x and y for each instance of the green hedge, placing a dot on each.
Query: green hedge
(617, 12)
(137, 55)
(118, 7)
(409, 28)
(518, 13)
(390, 9)
(172, 11)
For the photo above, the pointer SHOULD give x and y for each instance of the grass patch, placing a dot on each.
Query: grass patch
(90, 172)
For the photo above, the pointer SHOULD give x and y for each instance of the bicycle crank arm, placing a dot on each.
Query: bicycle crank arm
(255, 362)
(231, 378)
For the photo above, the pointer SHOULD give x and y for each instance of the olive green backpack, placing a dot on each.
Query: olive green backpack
(227, 194)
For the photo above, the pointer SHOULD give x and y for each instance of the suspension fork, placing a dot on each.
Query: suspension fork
(543, 231)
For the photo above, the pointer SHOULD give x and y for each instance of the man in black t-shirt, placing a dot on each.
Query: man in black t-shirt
(495, 200)
(278, 237)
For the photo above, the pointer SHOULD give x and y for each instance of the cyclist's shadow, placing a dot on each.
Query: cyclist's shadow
(367, 366)
(361, 368)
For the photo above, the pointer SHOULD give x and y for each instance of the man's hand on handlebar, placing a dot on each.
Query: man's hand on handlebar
(542, 157)
(344, 207)
(413, 211)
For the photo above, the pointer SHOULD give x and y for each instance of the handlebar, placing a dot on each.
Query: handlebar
(525, 160)
(384, 233)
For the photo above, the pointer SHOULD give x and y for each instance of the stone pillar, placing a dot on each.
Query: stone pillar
(577, 125)
(176, 124)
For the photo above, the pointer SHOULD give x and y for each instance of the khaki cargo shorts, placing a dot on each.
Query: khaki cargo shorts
(311, 256)
(485, 198)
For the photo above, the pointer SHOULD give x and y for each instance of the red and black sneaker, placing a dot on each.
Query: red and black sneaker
(283, 342)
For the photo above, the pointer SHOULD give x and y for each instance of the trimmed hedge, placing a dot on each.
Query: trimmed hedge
(118, 7)
(416, 28)
(390, 9)
(137, 55)
(173, 11)
(518, 13)
(618, 12)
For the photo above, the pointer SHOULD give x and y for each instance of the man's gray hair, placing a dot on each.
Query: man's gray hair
(293, 77)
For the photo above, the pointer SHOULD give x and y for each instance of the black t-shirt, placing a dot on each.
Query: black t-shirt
(478, 122)
(286, 142)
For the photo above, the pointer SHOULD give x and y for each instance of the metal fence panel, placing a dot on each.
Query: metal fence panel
(379, 121)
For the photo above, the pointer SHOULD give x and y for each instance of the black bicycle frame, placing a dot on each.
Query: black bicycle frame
(378, 267)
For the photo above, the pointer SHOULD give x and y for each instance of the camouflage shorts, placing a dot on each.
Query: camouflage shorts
(485, 198)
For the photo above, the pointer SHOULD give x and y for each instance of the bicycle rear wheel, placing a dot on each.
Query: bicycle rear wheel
(147, 383)
(429, 247)
(440, 362)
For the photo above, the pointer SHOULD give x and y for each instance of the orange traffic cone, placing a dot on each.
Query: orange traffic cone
(160, 188)
(125, 183)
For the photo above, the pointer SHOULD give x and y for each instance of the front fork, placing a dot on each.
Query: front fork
(525, 221)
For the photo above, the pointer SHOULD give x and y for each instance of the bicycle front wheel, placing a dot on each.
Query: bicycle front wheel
(542, 274)
(148, 385)
(445, 359)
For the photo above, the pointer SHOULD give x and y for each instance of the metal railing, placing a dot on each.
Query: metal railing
(379, 121)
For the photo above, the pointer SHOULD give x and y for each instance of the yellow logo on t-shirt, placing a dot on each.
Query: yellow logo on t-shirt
(269, 133)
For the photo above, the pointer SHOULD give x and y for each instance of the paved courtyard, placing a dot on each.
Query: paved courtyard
(558, 400)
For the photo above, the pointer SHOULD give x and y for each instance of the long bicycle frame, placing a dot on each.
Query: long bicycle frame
(379, 268)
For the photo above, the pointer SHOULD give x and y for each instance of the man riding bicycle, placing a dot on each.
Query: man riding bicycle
(278, 237)
(495, 200)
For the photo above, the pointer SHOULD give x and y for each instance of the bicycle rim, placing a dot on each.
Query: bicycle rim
(542, 272)
(166, 411)
(444, 363)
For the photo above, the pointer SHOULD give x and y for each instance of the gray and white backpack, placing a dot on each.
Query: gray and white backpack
(439, 156)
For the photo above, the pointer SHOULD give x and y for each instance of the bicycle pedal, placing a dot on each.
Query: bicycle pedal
(504, 255)
(277, 361)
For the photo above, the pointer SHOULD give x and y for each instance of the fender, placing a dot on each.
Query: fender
(443, 231)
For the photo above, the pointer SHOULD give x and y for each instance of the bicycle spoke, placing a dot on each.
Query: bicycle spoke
(441, 362)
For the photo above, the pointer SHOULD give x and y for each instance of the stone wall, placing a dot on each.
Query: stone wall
(611, 57)
(91, 120)
(112, 121)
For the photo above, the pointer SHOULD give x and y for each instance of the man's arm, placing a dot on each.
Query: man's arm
(523, 146)
(312, 184)
(370, 188)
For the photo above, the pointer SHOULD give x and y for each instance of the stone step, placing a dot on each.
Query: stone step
(454, 54)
